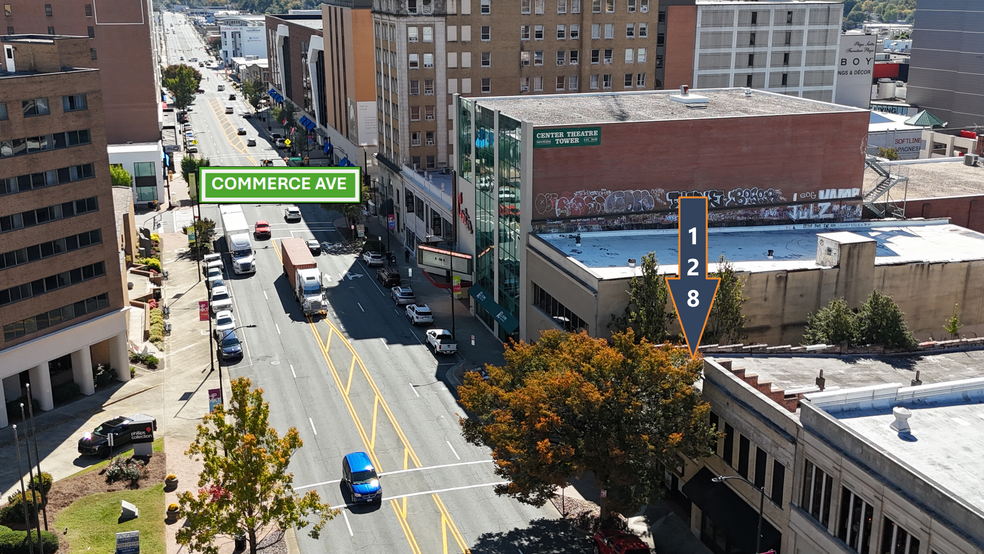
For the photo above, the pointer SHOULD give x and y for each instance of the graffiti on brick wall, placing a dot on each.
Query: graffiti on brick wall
(589, 203)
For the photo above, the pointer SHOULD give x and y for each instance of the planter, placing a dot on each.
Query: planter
(172, 515)
(170, 484)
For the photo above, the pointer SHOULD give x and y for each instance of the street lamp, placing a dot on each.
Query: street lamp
(219, 343)
(758, 535)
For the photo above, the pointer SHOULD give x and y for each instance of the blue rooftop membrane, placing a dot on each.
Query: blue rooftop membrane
(606, 253)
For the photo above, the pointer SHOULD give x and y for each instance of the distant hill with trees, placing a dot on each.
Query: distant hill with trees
(886, 11)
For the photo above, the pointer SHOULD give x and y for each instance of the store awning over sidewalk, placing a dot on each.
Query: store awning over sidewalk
(504, 318)
(729, 512)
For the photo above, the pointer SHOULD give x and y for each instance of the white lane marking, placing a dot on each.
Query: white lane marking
(437, 491)
(347, 524)
(414, 389)
(435, 467)
(384, 343)
(278, 328)
(265, 295)
(292, 371)
(452, 450)
(312, 426)
(332, 482)
(360, 306)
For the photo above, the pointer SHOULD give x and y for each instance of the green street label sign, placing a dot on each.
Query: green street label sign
(280, 185)
(572, 136)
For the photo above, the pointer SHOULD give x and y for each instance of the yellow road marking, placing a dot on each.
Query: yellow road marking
(406, 458)
(444, 534)
(375, 410)
(406, 527)
(348, 385)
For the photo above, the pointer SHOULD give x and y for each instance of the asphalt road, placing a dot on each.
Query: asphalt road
(358, 380)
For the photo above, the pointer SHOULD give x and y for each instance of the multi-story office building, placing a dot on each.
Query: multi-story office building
(784, 46)
(945, 75)
(123, 45)
(62, 305)
(243, 36)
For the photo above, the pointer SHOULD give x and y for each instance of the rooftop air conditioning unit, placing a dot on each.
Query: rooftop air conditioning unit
(971, 159)
(644, 9)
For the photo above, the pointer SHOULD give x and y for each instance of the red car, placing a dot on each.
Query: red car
(262, 230)
(613, 541)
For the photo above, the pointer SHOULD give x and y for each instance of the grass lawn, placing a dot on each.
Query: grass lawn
(92, 521)
(158, 447)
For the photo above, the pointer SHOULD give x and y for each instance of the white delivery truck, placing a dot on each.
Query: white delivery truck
(304, 276)
(236, 232)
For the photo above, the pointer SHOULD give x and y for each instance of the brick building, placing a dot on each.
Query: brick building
(62, 304)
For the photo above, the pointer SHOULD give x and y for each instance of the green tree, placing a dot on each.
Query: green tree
(284, 115)
(880, 321)
(353, 212)
(204, 234)
(646, 312)
(570, 404)
(190, 165)
(726, 322)
(182, 81)
(953, 324)
(835, 323)
(888, 153)
(120, 176)
(253, 92)
(244, 485)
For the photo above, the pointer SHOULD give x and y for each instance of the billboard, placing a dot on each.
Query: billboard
(280, 185)
(855, 66)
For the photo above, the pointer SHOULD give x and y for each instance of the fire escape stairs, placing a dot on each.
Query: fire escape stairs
(881, 188)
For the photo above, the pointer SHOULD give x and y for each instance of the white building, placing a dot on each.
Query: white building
(143, 162)
(243, 36)
(785, 46)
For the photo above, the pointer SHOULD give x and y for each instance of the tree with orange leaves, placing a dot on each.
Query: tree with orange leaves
(571, 404)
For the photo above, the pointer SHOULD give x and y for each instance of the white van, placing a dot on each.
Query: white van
(221, 88)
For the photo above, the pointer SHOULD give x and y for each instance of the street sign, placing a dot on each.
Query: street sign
(287, 142)
(456, 284)
(391, 222)
(280, 185)
(361, 230)
(128, 542)
(214, 399)
(202, 310)
(572, 136)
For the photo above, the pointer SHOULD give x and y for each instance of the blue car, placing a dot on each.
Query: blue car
(361, 478)
(229, 346)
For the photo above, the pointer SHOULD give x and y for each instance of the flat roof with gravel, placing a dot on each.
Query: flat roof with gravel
(653, 105)
(931, 179)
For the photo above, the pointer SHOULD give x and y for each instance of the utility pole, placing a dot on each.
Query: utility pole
(34, 433)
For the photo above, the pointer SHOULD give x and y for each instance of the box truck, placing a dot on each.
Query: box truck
(236, 232)
(304, 276)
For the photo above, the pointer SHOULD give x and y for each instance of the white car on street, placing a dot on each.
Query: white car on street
(220, 299)
(419, 313)
(224, 321)
(373, 259)
(292, 213)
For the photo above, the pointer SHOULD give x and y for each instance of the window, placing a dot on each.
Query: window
(855, 521)
(572, 82)
(92, 54)
(561, 57)
(896, 540)
(524, 58)
(538, 58)
(92, 31)
(632, 6)
(10, 30)
(561, 6)
(428, 60)
(817, 490)
(429, 138)
(744, 445)
(789, 38)
(561, 32)
(561, 82)
(524, 6)
(51, 30)
(524, 84)
(729, 444)
(641, 80)
(609, 6)
(538, 84)
(431, 162)
(74, 102)
(574, 57)
(38, 106)
(751, 39)
(594, 82)
(629, 53)
(429, 113)
(609, 30)
(428, 34)
(661, 17)
(760, 458)
(414, 87)
(415, 160)
(50, 248)
(641, 55)
(559, 313)
(596, 30)
(486, 33)
(595, 56)
(414, 113)
(47, 10)
(575, 32)
(778, 482)
(785, 79)
(486, 7)
(785, 58)
(428, 87)
(644, 6)
(412, 7)
(52, 283)
(54, 317)
(40, 216)
(608, 55)
(748, 80)
(630, 30)
(643, 30)
(751, 60)
(486, 85)
(627, 81)
(595, 6)
(606, 81)
(6, 10)
(789, 18)
(524, 32)
(486, 59)
(3, 111)
(575, 6)
(538, 6)
(412, 34)
(660, 39)
(414, 61)
(538, 32)
(754, 18)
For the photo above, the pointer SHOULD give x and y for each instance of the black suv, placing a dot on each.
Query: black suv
(96, 443)
(389, 277)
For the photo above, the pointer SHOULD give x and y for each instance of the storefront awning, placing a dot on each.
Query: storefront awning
(729, 512)
(504, 318)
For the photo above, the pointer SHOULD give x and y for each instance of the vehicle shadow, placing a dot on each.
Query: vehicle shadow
(545, 536)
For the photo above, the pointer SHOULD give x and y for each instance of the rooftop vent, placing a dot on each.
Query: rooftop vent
(748, 93)
(691, 100)
(632, 262)
(901, 423)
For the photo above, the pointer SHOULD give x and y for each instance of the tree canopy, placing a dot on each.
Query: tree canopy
(119, 176)
(878, 321)
(253, 92)
(190, 165)
(646, 312)
(182, 80)
(726, 322)
(570, 404)
(245, 485)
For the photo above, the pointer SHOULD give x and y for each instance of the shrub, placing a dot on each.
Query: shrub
(64, 393)
(17, 504)
(172, 507)
(42, 482)
(15, 542)
(103, 374)
(151, 361)
(152, 263)
(170, 477)
(155, 238)
(133, 372)
(156, 314)
(121, 469)
(135, 357)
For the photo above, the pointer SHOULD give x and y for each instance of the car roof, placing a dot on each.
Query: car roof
(262, 222)
(403, 289)
(359, 461)
(315, 241)
(219, 290)
(421, 307)
(224, 313)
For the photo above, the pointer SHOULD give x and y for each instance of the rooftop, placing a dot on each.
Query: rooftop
(606, 254)
(653, 105)
(933, 178)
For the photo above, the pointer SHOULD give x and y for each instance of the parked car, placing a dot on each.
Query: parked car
(224, 321)
(251, 142)
(211, 260)
(441, 341)
(241, 131)
(229, 109)
(96, 443)
(614, 541)
(229, 346)
(314, 246)
(214, 275)
(200, 90)
(232, 97)
(220, 299)
(360, 477)
(373, 259)
(389, 277)
(192, 149)
(419, 313)
(221, 88)
(247, 115)
(292, 213)
(262, 229)
(402, 295)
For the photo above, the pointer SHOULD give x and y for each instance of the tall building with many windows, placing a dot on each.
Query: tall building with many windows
(62, 304)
